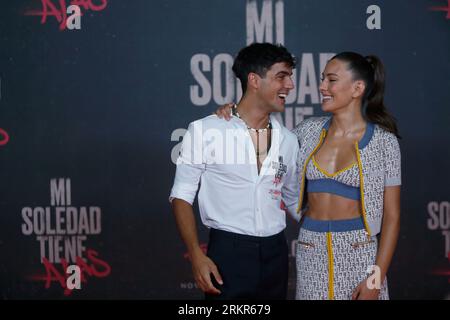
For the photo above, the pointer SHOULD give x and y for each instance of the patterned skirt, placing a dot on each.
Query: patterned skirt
(333, 257)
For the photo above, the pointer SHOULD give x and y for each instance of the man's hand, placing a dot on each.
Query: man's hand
(202, 267)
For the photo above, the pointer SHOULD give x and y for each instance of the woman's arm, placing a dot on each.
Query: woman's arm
(389, 229)
(388, 241)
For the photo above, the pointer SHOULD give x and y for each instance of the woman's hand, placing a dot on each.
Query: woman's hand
(224, 111)
(362, 292)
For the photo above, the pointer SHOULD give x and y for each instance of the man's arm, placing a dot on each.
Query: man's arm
(202, 266)
(190, 167)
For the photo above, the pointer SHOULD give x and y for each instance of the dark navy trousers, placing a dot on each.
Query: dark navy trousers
(251, 267)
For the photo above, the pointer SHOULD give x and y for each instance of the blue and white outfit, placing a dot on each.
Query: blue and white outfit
(334, 256)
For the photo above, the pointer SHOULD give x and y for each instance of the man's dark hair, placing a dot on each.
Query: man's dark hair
(258, 58)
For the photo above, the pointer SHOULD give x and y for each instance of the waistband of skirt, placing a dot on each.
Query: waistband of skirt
(332, 225)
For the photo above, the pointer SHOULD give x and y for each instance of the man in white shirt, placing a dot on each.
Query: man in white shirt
(248, 177)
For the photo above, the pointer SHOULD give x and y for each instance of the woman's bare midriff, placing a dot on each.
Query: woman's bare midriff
(327, 206)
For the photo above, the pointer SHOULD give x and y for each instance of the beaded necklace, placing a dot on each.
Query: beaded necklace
(257, 131)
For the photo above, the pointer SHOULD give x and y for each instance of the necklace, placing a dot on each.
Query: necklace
(257, 131)
(236, 113)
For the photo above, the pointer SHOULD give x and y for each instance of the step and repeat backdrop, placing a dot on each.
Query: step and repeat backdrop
(96, 95)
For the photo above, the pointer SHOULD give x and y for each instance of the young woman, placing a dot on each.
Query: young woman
(350, 172)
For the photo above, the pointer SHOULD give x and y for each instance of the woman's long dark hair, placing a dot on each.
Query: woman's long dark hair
(370, 69)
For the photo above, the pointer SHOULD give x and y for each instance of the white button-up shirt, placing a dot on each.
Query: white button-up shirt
(220, 156)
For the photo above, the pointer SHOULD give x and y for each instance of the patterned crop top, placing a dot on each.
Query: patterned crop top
(344, 182)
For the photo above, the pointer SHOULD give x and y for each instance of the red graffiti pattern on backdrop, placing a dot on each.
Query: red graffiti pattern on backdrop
(443, 271)
(442, 8)
(49, 9)
(98, 268)
(4, 137)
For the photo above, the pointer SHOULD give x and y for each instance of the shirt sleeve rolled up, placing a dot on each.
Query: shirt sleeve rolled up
(190, 165)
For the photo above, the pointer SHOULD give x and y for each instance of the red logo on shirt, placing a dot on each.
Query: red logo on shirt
(281, 170)
(275, 194)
